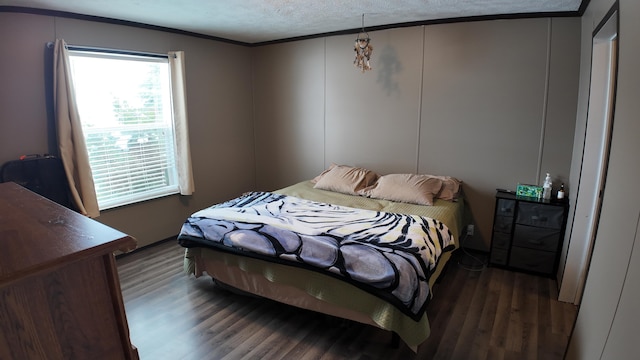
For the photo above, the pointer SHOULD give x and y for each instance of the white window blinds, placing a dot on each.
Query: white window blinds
(125, 107)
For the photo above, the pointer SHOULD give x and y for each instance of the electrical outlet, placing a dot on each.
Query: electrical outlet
(470, 229)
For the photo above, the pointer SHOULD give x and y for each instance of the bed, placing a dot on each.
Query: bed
(313, 281)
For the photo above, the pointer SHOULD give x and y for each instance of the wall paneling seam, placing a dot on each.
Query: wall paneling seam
(545, 103)
(420, 100)
(324, 108)
(253, 116)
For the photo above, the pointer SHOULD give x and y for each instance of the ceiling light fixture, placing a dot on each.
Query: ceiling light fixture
(363, 50)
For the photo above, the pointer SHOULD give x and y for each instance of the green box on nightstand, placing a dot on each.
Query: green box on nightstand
(532, 191)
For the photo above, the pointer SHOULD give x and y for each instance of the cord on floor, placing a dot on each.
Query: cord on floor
(477, 264)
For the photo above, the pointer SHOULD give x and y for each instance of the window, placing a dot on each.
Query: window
(124, 103)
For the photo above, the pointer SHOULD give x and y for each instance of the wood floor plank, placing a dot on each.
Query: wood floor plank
(470, 328)
(275, 344)
(530, 317)
(492, 314)
(481, 341)
(503, 311)
(515, 324)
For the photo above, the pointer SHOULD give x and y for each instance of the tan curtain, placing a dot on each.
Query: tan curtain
(178, 93)
(73, 150)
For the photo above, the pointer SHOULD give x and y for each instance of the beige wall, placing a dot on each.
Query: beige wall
(219, 109)
(492, 103)
(290, 105)
(606, 327)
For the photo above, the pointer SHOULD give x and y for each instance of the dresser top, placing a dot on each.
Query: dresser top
(38, 234)
(511, 195)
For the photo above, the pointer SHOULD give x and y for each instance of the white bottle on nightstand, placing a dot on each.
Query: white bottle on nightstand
(546, 188)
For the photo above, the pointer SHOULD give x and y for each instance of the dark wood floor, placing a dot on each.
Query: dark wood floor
(490, 314)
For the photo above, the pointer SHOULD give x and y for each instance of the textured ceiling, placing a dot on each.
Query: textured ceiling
(256, 21)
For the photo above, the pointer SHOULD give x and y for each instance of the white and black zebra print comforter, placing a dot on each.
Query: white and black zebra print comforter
(387, 254)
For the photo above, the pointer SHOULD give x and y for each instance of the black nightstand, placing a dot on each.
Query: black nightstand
(528, 233)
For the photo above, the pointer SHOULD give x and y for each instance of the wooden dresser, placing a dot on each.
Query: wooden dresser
(60, 295)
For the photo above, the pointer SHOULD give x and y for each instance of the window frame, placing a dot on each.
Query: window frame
(173, 187)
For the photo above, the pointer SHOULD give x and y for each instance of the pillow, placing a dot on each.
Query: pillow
(407, 188)
(345, 179)
(315, 179)
(450, 188)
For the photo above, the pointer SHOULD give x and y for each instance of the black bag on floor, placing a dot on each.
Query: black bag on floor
(43, 175)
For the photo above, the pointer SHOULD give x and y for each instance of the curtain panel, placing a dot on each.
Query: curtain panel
(71, 143)
(179, 99)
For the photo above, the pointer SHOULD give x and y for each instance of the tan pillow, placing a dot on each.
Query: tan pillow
(315, 179)
(450, 188)
(345, 179)
(408, 188)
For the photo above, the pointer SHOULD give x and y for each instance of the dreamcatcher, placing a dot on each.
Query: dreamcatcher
(363, 50)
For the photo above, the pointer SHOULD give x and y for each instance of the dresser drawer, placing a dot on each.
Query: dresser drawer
(500, 240)
(502, 224)
(505, 207)
(540, 215)
(532, 260)
(499, 256)
(536, 238)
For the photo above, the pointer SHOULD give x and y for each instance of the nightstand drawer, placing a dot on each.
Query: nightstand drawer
(499, 256)
(501, 240)
(502, 224)
(505, 207)
(532, 260)
(536, 238)
(540, 215)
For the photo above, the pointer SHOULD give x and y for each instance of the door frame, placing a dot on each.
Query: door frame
(593, 172)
